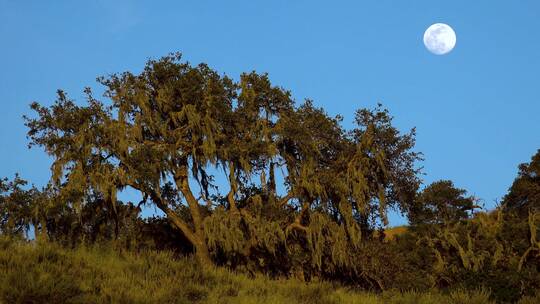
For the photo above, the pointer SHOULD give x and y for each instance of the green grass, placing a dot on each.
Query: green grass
(47, 273)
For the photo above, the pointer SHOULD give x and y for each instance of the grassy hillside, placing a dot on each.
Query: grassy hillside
(32, 273)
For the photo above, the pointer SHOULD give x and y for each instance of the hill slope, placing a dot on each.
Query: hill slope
(46, 273)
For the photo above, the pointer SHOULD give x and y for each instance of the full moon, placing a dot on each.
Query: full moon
(440, 39)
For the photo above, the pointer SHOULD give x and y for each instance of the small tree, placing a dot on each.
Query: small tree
(22, 209)
(441, 202)
(524, 194)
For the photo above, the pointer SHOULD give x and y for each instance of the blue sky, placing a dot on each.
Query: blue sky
(476, 109)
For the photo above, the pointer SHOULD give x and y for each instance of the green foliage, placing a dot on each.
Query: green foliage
(224, 231)
(21, 208)
(491, 250)
(15, 207)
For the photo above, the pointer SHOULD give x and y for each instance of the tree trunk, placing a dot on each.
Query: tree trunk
(196, 238)
(232, 191)
(272, 181)
(199, 239)
(202, 254)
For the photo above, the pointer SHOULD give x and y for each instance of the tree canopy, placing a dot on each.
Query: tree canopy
(165, 131)
(441, 202)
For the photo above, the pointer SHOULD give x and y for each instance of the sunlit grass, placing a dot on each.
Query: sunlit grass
(31, 273)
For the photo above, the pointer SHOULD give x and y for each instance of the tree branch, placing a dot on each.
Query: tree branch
(155, 196)
(283, 201)
(232, 191)
(298, 226)
(298, 220)
(182, 184)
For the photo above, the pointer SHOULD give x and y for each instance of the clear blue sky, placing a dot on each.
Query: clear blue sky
(476, 109)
